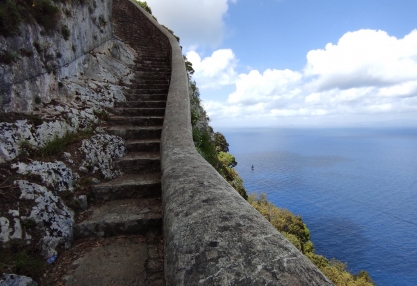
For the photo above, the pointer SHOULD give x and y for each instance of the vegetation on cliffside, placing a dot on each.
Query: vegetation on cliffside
(294, 229)
(214, 148)
(15, 12)
(211, 145)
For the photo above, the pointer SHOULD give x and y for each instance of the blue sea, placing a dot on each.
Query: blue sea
(356, 189)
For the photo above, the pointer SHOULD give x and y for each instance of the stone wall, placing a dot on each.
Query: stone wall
(212, 235)
(42, 58)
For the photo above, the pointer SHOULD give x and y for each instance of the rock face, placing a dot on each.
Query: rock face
(50, 214)
(100, 151)
(60, 87)
(40, 55)
(16, 280)
(55, 175)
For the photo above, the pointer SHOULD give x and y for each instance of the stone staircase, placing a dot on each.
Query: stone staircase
(130, 207)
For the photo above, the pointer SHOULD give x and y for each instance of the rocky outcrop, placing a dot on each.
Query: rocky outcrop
(40, 55)
(64, 92)
(16, 280)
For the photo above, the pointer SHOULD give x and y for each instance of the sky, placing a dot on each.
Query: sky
(300, 63)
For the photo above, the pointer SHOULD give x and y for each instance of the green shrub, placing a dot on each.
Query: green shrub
(38, 100)
(26, 52)
(58, 144)
(7, 57)
(172, 32)
(10, 18)
(294, 229)
(102, 21)
(145, 6)
(14, 12)
(45, 13)
(101, 114)
(16, 257)
(65, 32)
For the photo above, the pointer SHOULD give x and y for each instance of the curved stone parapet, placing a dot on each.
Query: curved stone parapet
(212, 235)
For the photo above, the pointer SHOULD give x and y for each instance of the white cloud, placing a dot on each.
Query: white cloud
(214, 71)
(271, 86)
(196, 22)
(367, 75)
(364, 58)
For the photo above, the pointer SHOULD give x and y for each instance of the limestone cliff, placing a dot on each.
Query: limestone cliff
(41, 59)
(54, 89)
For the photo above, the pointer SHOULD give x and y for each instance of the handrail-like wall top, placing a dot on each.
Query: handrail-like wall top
(212, 236)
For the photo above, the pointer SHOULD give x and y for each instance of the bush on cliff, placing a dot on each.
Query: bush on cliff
(145, 6)
(14, 12)
(212, 146)
(294, 229)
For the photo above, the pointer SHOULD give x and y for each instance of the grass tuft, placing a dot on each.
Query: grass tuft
(65, 32)
(18, 258)
(58, 144)
(14, 12)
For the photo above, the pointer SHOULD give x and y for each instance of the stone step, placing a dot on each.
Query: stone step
(142, 104)
(153, 64)
(131, 186)
(150, 81)
(136, 132)
(153, 75)
(152, 90)
(131, 216)
(133, 95)
(135, 111)
(152, 69)
(140, 163)
(145, 145)
(141, 85)
(160, 59)
(136, 120)
(152, 53)
(118, 260)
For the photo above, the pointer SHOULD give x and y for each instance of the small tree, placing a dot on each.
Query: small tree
(220, 142)
(145, 6)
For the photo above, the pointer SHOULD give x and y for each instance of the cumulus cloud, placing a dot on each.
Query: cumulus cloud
(364, 58)
(214, 71)
(366, 73)
(196, 22)
(271, 86)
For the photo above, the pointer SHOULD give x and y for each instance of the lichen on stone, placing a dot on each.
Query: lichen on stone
(50, 214)
(16, 280)
(5, 229)
(100, 150)
(11, 136)
(53, 174)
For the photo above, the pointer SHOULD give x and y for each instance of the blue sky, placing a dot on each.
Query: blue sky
(318, 63)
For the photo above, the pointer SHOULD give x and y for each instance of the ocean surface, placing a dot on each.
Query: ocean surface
(356, 189)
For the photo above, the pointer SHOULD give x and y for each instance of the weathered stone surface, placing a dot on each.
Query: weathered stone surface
(55, 175)
(83, 202)
(5, 229)
(16, 280)
(50, 214)
(11, 136)
(139, 163)
(131, 186)
(121, 217)
(30, 76)
(120, 263)
(136, 132)
(100, 151)
(212, 235)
